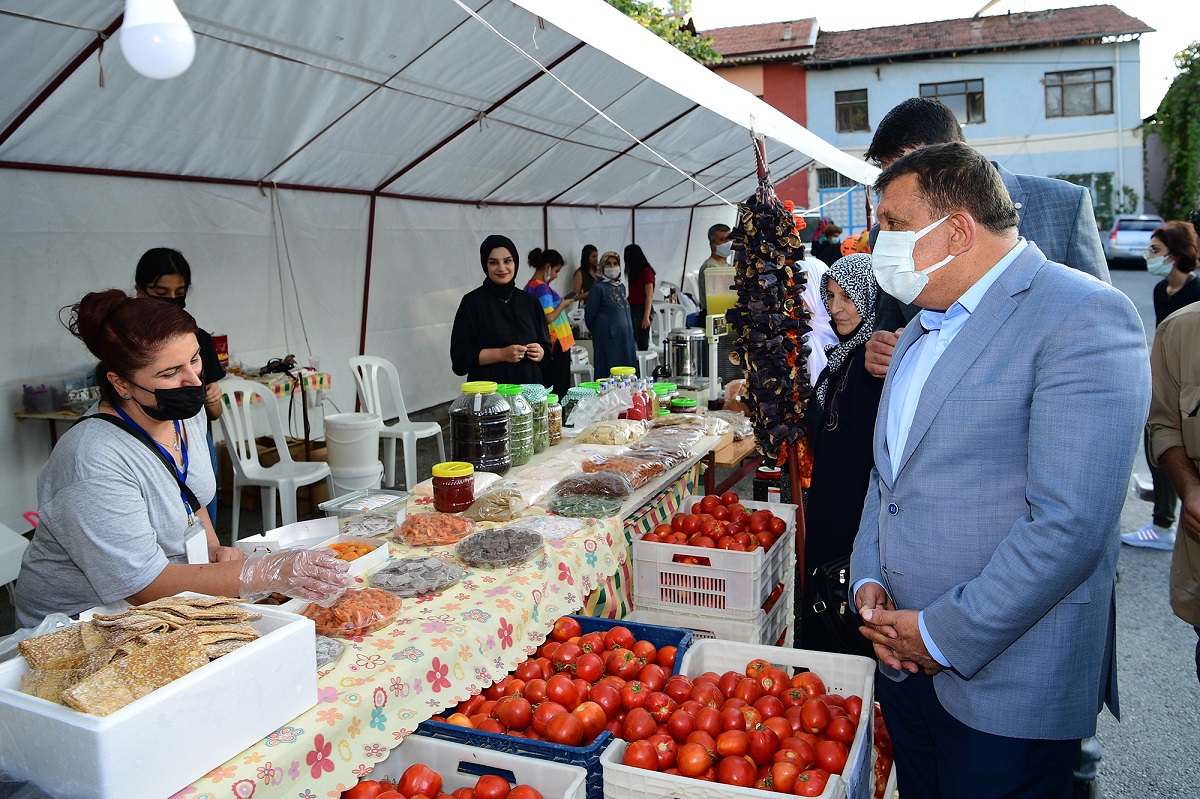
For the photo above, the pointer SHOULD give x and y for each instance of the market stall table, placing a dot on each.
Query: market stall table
(53, 417)
(738, 455)
(284, 385)
(443, 648)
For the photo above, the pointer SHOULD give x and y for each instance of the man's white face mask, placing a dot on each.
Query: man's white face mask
(892, 262)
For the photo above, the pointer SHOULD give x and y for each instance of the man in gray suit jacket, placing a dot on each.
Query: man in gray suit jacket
(985, 561)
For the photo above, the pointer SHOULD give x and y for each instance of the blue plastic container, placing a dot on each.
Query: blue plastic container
(587, 757)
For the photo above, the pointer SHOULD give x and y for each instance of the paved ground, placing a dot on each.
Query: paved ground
(1154, 752)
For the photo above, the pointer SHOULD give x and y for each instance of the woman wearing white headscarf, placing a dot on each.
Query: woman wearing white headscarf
(607, 316)
(841, 425)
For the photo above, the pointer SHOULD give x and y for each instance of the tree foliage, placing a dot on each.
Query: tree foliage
(650, 16)
(1177, 123)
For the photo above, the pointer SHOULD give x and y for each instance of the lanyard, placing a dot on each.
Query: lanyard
(180, 475)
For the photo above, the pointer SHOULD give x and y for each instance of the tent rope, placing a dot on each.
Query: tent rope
(589, 104)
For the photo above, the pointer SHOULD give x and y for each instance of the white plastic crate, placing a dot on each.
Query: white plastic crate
(737, 582)
(764, 628)
(155, 746)
(461, 765)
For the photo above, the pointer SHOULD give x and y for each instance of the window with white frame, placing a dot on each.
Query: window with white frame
(965, 98)
(1081, 92)
(850, 111)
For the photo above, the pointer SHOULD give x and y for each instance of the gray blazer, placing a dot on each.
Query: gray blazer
(1002, 521)
(1055, 215)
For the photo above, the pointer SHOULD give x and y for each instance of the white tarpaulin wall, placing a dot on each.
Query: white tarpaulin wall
(308, 133)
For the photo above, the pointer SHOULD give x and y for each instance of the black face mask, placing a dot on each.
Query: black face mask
(180, 302)
(175, 403)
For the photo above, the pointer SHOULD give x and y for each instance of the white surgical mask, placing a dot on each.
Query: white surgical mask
(723, 250)
(892, 261)
(612, 272)
(1158, 266)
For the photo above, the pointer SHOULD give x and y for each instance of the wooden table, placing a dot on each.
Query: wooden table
(738, 455)
(53, 417)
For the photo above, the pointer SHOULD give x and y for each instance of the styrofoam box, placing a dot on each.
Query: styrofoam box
(889, 790)
(291, 536)
(767, 628)
(162, 742)
(733, 582)
(461, 765)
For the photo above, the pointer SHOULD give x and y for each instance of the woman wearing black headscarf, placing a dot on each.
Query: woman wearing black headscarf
(840, 427)
(499, 332)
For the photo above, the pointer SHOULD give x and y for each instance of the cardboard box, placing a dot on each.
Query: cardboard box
(166, 740)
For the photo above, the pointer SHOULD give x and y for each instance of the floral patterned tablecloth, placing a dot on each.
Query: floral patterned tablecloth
(440, 650)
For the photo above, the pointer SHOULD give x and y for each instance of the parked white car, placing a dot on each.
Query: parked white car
(1129, 239)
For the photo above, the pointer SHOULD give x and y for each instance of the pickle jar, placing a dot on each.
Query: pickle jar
(554, 419)
(520, 425)
(479, 428)
(536, 396)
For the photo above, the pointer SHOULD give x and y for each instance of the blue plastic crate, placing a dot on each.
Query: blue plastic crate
(586, 757)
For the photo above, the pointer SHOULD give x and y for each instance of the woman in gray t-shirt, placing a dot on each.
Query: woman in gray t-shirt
(116, 520)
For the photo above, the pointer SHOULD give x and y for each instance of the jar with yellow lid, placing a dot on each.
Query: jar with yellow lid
(479, 428)
(453, 486)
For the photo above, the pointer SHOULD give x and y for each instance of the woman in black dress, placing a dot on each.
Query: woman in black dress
(499, 332)
(841, 427)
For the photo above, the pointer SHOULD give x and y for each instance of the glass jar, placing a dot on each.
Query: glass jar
(683, 405)
(623, 372)
(453, 486)
(536, 396)
(479, 428)
(574, 395)
(520, 425)
(554, 419)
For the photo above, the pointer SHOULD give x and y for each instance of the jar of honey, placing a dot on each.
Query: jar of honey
(453, 486)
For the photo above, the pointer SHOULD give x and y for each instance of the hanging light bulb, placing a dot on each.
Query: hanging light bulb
(156, 40)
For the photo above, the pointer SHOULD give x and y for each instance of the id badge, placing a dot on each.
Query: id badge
(196, 543)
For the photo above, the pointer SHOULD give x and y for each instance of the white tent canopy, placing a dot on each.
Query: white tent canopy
(329, 169)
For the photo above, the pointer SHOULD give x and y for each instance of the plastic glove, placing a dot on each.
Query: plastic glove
(313, 574)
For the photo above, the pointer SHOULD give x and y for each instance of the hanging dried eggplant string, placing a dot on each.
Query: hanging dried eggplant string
(769, 321)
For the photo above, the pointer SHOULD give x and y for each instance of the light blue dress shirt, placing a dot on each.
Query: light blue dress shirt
(913, 371)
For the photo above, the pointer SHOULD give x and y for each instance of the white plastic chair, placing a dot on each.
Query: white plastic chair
(581, 367)
(647, 360)
(367, 370)
(12, 547)
(667, 317)
(285, 477)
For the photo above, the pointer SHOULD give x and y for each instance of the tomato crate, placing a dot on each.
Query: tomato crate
(737, 582)
(586, 757)
(842, 674)
(461, 765)
(773, 627)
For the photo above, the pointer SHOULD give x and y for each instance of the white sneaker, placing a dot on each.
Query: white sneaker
(1152, 537)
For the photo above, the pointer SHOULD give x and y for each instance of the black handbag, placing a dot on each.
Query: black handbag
(831, 604)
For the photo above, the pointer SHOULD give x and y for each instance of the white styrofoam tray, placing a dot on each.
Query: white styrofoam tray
(297, 535)
(159, 744)
(461, 765)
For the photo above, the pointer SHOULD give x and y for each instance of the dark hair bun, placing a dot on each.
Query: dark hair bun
(89, 317)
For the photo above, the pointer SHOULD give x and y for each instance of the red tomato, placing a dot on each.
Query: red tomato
(622, 663)
(769, 706)
(366, 789)
(733, 743)
(721, 514)
(831, 756)
(561, 689)
(748, 690)
(834, 700)
(729, 498)
(794, 697)
(638, 725)
(764, 743)
(766, 539)
(634, 695)
(729, 682)
(619, 636)
(773, 681)
(814, 716)
(641, 754)
(653, 676)
(535, 691)
(514, 712)
(811, 782)
(707, 694)
(492, 786)
(543, 713)
(678, 688)
(496, 689)
(780, 725)
(592, 642)
(592, 717)
(665, 749)
(546, 650)
(565, 656)
(810, 683)
(677, 522)
(854, 707)
(692, 760)
(463, 793)
(708, 719)
(565, 729)
(660, 706)
(705, 740)
(565, 629)
(662, 530)
(419, 778)
(391, 795)
(784, 774)
(528, 670)
(840, 729)
(736, 771)
(778, 526)
(710, 502)
(680, 725)
(490, 724)
(589, 667)
(666, 658)
(547, 667)
(525, 792)
(691, 524)
(607, 697)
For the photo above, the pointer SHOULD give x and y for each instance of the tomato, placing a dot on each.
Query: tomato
(721, 514)
(514, 688)
(565, 656)
(565, 729)
(733, 743)
(535, 691)
(662, 530)
(652, 676)
(854, 707)
(784, 774)
(491, 725)
(589, 667)
(665, 749)
(366, 789)
(840, 729)
(492, 786)
(831, 756)
(514, 712)
(459, 720)
(811, 782)
(470, 706)
(709, 503)
(680, 725)
(814, 716)
(543, 713)
(645, 650)
(651, 537)
(766, 539)
(732, 718)
(592, 642)
(764, 743)
(592, 717)
(419, 778)
(584, 688)
(780, 725)
(666, 658)
(561, 689)
(794, 697)
(773, 681)
(678, 688)
(778, 526)
(748, 690)
(704, 739)
(677, 522)
(692, 760)
(769, 706)
(463, 793)
(547, 667)
(528, 670)
(641, 754)
(660, 706)
(619, 637)
(834, 700)
(496, 689)
(607, 697)
(708, 719)
(391, 795)
(633, 695)
(736, 771)
(729, 498)
(565, 629)
(638, 725)
(622, 663)
(810, 683)
(525, 792)
(752, 716)
(705, 542)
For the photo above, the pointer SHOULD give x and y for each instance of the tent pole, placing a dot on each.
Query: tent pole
(633, 225)
(687, 243)
(362, 336)
(545, 227)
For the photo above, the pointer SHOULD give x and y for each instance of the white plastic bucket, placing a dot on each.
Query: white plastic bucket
(352, 440)
(346, 481)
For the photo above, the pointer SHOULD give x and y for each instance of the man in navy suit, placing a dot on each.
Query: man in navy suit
(985, 562)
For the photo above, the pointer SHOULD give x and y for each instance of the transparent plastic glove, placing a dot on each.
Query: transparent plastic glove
(313, 574)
